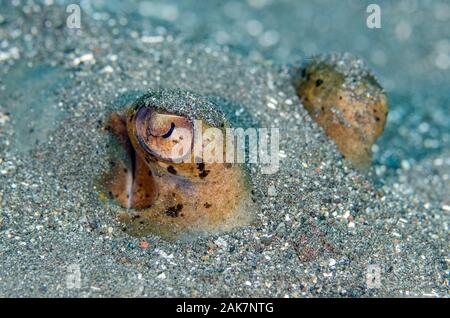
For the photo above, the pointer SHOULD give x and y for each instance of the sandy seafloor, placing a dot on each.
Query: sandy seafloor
(317, 230)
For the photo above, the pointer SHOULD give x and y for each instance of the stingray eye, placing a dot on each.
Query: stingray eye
(165, 136)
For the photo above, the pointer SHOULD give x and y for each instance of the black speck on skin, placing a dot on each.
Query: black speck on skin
(171, 170)
(174, 211)
(203, 174)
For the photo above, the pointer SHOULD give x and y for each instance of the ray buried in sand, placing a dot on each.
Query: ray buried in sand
(226, 145)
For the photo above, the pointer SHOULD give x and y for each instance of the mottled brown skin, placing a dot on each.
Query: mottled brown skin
(351, 118)
(172, 199)
(144, 191)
